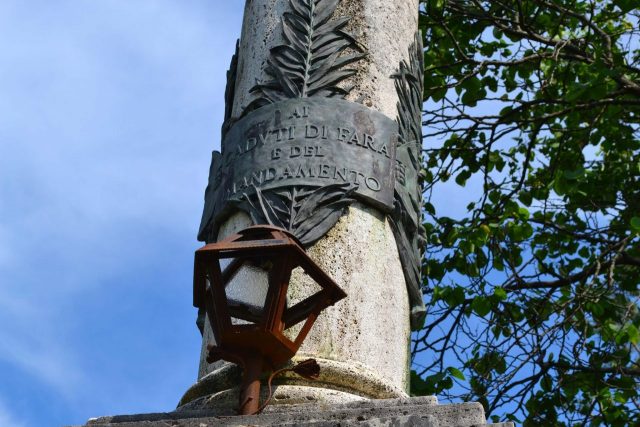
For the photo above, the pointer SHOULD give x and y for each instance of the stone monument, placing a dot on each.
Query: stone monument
(322, 137)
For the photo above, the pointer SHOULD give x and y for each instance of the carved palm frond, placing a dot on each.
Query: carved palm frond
(320, 210)
(407, 223)
(306, 212)
(230, 91)
(410, 86)
(313, 60)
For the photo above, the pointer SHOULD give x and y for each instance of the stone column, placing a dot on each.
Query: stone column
(362, 343)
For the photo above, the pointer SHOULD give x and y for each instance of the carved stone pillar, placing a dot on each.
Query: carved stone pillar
(322, 136)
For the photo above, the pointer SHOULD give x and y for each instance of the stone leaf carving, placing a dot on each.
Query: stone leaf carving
(407, 216)
(307, 212)
(313, 61)
(230, 91)
(214, 200)
(213, 197)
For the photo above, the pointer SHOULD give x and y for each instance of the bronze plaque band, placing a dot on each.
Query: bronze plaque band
(312, 142)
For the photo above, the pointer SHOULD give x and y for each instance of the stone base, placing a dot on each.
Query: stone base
(225, 403)
(339, 382)
(418, 411)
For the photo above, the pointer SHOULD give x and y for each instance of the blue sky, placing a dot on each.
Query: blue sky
(109, 110)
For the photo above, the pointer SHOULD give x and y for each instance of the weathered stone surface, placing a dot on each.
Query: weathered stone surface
(365, 338)
(385, 28)
(362, 343)
(393, 412)
(338, 383)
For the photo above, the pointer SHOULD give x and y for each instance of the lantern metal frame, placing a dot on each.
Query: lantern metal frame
(260, 345)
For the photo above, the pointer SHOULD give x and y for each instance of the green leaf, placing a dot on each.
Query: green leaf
(456, 373)
(526, 198)
(523, 213)
(445, 384)
(500, 293)
(462, 177)
(626, 5)
(481, 306)
(635, 224)
(418, 386)
(633, 334)
(454, 296)
(574, 174)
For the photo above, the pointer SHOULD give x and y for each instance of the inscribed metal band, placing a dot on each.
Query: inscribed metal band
(312, 142)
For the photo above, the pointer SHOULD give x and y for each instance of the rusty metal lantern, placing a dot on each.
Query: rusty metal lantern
(242, 282)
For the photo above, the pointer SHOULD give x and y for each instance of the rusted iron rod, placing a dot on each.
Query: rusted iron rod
(250, 387)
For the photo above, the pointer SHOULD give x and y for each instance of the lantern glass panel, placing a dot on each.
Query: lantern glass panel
(247, 293)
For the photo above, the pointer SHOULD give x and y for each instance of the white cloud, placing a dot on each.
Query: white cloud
(5, 250)
(41, 358)
(96, 121)
(7, 418)
(33, 343)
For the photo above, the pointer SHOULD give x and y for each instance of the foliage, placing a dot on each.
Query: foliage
(311, 63)
(407, 205)
(307, 212)
(532, 295)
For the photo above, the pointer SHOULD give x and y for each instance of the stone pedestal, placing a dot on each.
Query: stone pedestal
(422, 412)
